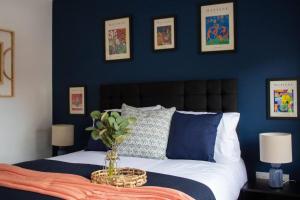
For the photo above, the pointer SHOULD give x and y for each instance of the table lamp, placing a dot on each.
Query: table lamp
(275, 148)
(62, 136)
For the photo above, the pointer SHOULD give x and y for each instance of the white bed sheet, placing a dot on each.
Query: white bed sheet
(224, 180)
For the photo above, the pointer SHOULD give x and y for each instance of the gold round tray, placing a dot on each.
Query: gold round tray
(126, 177)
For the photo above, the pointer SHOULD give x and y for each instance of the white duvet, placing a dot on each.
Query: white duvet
(224, 180)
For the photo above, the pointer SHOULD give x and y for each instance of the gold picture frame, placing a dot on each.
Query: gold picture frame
(1, 63)
(7, 63)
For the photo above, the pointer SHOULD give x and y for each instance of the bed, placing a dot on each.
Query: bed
(200, 179)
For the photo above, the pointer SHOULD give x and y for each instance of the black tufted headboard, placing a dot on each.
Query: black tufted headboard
(199, 95)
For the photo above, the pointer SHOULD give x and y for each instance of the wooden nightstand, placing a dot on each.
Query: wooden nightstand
(259, 190)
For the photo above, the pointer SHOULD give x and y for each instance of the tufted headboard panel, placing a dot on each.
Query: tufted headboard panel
(197, 95)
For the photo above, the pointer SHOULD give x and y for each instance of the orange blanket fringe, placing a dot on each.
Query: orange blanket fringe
(74, 187)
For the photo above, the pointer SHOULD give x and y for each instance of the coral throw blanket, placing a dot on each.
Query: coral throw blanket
(74, 187)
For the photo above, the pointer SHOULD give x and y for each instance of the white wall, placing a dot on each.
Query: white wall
(25, 120)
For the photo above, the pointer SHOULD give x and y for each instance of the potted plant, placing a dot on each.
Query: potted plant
(112, 129)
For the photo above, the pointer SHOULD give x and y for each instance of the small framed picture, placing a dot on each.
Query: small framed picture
(164, 35)
(217, 27)
(117, 39)
(77, 100)
(282, 98)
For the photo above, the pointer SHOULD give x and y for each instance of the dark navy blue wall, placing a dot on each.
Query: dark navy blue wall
(268, 46)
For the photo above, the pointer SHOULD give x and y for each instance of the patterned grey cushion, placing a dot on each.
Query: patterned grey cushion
(157, 107)
(150, 133)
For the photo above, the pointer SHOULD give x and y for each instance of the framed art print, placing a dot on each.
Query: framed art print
(1, 62)
(77, 100)
(282, 101)
(164, 33)
(117, 39)
(7, 63)
(217, 27)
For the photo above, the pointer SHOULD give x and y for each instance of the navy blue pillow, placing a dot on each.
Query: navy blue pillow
(193, 137)
(95, 145)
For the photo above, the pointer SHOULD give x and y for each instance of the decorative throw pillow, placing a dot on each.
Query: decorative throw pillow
(119, 110)
(150, 133)
(98, 145)
(227, 146)
(193, 137)
(148, 108)
(114, 110)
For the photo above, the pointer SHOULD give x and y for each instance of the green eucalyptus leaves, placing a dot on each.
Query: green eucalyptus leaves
(111, 127)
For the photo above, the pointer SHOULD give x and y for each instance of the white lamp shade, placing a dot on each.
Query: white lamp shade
(62, 135)
(275, 147)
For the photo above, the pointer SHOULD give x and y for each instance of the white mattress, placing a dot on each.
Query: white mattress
(224, 180)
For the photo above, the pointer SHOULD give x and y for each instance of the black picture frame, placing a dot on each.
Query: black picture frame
(153, 32)
(84, 97)
(270, 114)
(130, 18)
(212, 3)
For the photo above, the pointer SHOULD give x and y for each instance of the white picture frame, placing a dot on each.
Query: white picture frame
(283, 98)
(164, 33)
(218, 27)
(117, 39)
(77, 98)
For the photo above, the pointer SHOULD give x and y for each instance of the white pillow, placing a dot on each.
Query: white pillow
(113, 110)
(157, 107)
(227, 146)
(150, 133)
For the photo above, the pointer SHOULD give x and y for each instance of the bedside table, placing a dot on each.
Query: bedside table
(56, 151)
(259, 190)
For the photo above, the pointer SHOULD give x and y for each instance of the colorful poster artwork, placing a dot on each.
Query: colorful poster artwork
(217, 30)
(77, 102)
(117, 41)
(164, 35)
(284, 100)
